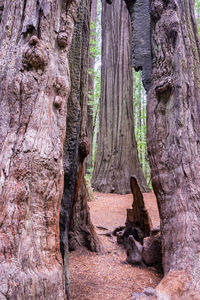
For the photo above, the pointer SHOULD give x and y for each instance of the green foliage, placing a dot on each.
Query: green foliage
(139, 96)
(197, 13)
(89, 187)
(94, 96)
(95, 50)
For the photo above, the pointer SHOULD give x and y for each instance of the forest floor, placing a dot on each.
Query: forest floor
(106, 276)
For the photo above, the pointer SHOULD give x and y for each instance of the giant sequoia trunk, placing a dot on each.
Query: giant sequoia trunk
(173, 134)
(34, 86)
(117, 157)
(174, 143)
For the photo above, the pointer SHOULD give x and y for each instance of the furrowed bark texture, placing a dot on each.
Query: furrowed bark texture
(174, 143)
(82, 231)
(75, 215)
(117, 157)
(34, 40)
(70, 158)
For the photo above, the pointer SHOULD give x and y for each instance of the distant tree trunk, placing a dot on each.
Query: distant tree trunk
(34, 87)
(174, 143)
(117, 157)
(91, 86)
(74, 210)
(81, 230)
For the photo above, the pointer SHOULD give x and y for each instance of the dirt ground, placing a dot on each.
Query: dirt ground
(106, 276)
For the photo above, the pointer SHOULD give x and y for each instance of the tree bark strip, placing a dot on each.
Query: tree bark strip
(75, 218)
(82, 231)
(173, 140)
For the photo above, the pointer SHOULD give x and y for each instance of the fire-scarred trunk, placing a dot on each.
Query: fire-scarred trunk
(76, 229)
(173, 114)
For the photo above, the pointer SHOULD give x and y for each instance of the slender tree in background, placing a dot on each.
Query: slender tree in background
(76, 228)
(34, 39)
(116, 158)
(81, 230)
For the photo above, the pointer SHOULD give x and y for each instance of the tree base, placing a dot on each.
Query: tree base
(177, 285)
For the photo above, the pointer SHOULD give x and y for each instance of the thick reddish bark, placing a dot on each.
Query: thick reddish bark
(34, 86)
(173, 138)
(81, 230)
(117, 157)
(173, 143)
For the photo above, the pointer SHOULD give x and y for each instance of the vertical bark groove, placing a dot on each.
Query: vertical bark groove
(173, 143)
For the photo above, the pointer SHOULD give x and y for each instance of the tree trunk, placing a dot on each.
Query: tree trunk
(173, 143)
(70, 158)
(75, 215)
(81, 231)
(34, 87)
(117, 157)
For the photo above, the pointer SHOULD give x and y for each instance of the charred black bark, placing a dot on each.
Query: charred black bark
(141, 30)
(74, 216)
(172, 136)
(141, 45)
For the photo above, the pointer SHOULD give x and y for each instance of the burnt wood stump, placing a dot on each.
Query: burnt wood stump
(138, 216)
(141, 241)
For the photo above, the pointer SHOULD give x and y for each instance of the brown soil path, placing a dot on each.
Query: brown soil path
(105, 276)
